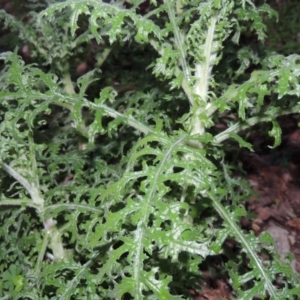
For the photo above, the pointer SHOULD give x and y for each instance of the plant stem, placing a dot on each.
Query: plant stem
(223, 212)
(203, 69)
(69, 88)
(15, 202)
(179, 42)
(41, 253)
(101, 59)
(37, 200)
(184, 84)
(129, 119)
(203, 75)
(235, 128)
(38, 203)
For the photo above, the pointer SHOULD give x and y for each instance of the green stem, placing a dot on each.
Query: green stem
(112, 113)
(227, 217)
(69, 88)
(203, 75)
(38, 203)
(37, 200)
(184, 84)
(73, 206)
(102, 58)
(251, 122)
(15, 202)
(71, 100)
(129, 119)
(179, 6)
(203, 69)
(178, 41)
(41, 254)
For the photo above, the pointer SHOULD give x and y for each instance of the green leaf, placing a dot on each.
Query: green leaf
(276, 133)
(241, 141)
(18, 282)
(77, 9)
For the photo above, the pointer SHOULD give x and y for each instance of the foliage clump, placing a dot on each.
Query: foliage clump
(113, 179)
